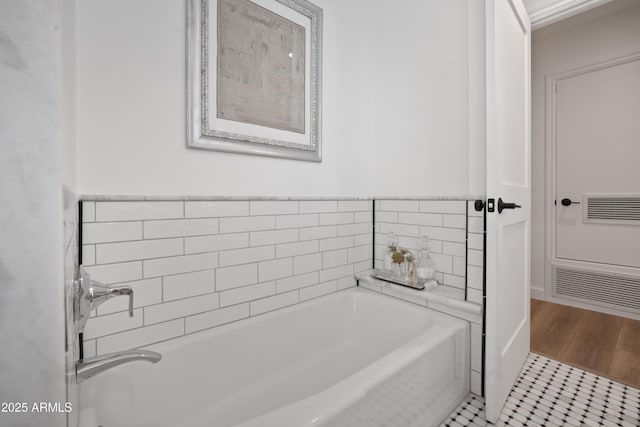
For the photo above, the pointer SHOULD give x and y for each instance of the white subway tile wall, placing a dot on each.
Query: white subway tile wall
(443, 221)
(475, 255)
(475, 281)
(196, 265)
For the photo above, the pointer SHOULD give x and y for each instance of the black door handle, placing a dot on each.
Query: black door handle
(568, 202)
(503, 205)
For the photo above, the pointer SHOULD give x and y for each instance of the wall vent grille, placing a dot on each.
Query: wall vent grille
(613, 209)
(599, 288)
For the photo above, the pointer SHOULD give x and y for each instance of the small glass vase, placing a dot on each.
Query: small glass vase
(426, 268)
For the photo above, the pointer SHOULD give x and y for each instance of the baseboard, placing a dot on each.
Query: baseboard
(538, 293)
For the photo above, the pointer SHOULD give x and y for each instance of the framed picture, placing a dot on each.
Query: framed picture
(254, 77)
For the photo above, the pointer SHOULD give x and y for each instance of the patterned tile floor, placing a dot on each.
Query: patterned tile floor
(550, 393)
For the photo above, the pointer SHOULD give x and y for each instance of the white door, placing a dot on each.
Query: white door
(508, 43)
(598, 148)
(595, 205)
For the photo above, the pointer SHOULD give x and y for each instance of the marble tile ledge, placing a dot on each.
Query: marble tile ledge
(111, 198)
(442, 298)
(140, 198)
(468, 197)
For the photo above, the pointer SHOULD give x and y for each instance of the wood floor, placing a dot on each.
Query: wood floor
(600, 343)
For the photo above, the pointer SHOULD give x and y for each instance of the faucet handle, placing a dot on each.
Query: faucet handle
(124, 290)
(99, 293)
(89, 294)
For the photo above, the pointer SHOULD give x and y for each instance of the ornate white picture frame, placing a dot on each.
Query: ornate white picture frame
(254, 77)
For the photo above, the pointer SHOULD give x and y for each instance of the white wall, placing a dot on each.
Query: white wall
(68, 125)
(555, 51)
(421, 119)
(31, 305)
(70, 205)
(408, 61)
(131, 109)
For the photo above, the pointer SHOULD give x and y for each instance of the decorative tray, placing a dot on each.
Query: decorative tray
(392, 278)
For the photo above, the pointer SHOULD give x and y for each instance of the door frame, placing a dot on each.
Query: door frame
(550, 191)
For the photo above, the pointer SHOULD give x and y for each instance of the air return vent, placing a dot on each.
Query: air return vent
(596, 287)
(613, 209)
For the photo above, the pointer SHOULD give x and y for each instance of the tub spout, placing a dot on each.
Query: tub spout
(87, 368)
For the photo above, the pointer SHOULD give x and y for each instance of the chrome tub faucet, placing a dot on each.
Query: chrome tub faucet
(86, 368)
(89, 294)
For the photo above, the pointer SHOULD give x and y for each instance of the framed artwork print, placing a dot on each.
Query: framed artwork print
(254, 77)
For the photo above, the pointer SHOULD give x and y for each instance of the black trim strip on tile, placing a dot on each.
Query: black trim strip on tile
(484, 297)
(373, 233)
(466, 249)
(80, 335)
(80, 233)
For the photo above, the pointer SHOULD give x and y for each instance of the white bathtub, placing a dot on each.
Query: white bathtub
(350, 359)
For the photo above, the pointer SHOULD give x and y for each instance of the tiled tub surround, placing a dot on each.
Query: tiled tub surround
(197, 264)
(456, 233)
